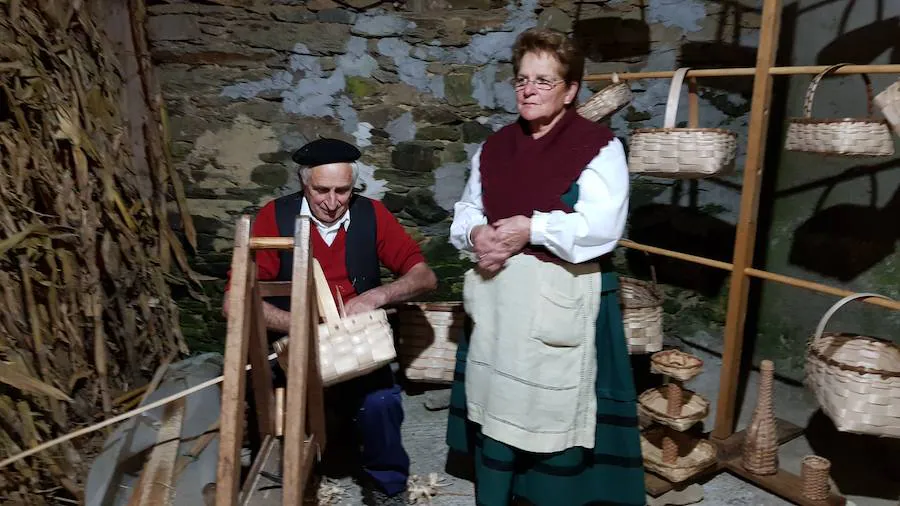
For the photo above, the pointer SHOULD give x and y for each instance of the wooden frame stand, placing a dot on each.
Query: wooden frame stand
(304, 433)
(784, 484)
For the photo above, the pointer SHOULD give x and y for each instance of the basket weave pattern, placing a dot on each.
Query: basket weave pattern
(607, 101)
(889, 103)
(427, 340)
(760, 449)
(814, 476)
(682, 152)
(692, 455)
(856, 379)
(642, 315)
(844, 136)
(692, 408)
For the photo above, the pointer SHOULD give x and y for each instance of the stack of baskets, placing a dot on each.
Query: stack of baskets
(428, 335)
(642, 314)
(856, 379)
(866, 136)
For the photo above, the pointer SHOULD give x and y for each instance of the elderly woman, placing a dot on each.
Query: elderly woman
(544, 397)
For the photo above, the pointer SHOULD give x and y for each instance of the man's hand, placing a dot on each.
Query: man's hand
(368, 301)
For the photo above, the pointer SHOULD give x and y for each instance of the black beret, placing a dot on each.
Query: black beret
(323, 151)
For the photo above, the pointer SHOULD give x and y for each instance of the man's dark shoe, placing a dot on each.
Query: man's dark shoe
(373, 496)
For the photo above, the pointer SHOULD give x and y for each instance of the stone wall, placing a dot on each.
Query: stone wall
(418, 85)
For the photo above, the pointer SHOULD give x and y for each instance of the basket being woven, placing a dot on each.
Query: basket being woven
(642, 315)
(856, 379)
(889, 103)
(348, 346)
(690, 152)
(839, 136)
(607, 101)
(427, 337)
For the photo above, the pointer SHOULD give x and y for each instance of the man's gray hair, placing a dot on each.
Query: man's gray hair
(306, 172)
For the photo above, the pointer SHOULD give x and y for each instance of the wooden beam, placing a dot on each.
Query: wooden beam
(676, 254)
(271, 243)
(274, 289)
(234, 372)
(294, 477)
(818, 287)
(261, 376)
(746, 227)
(747, 71)
(784, 484)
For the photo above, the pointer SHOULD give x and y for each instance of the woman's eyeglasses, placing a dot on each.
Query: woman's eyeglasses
(540, 83)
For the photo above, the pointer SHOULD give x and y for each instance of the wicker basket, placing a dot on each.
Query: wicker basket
(427, 336)
(607, 101)
(652, 404)
(694, 455)
(856, 379)
(677, 364)
(642, 314)
(349, 346)
(839, 136)
(889, 103)
(690, 152)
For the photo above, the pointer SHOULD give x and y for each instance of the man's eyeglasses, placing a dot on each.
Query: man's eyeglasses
(540, 83)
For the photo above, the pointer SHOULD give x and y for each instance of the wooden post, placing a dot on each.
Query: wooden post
(231, 430)
(746, 227)
(261, 377)
(294, 476)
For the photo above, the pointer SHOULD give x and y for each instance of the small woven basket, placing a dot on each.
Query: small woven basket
(889, 103)
(694, 455)
(677, 364)
(349, 346)
(653, 404)
(839, 136)
(690, 152)
(814, 471)
(856, 379)
(642, 315)
(607, 101)
(427, 337)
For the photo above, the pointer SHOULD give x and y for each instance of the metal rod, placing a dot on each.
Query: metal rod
(749, 71)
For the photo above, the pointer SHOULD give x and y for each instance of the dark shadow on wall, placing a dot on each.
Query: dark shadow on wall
(612, 38)
(863, 45)
(860, 464)
(844, 240)
(688, 230)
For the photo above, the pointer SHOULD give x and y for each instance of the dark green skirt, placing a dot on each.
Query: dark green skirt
(611, 473)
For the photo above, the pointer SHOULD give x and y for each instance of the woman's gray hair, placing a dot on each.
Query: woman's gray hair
(306, 171)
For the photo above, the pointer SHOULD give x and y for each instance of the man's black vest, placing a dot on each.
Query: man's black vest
(363, 267)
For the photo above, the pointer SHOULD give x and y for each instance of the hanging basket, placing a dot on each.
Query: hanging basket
(690, 152)
(642, 315)
(856, 379)
(889, 103)
(839, 136)
(349, 346)
(427, 337)
(607, 101)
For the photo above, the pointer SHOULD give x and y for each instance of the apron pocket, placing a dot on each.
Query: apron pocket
(558, 318)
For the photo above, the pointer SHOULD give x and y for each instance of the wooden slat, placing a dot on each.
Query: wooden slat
(271, 243)
(746, 227)
(294, 477)
(236, 341)
(675, 254)
(157, 490)
(274, 288)
(261, 377)
(315, 398)
(260, 490)
(749, 71)
(818, 287)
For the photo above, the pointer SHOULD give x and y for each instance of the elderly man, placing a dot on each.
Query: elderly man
(352, 238)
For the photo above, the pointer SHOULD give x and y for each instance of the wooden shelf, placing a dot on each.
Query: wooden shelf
(783, 484)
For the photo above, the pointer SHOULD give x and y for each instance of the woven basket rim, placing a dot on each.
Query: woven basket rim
(683, 130)
(811, 348)
(450, 305)
(816, 121)
(649, 288)
(838, 154)
(816, 461)
(661, 358)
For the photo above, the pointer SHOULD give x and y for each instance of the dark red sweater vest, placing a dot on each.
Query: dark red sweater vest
(521, 175)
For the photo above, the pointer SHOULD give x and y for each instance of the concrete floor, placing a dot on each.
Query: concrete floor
(866, 470)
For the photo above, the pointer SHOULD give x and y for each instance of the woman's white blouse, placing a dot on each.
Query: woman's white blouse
(592, 230)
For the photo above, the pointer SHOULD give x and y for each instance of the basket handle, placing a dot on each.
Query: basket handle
(839, 304)
(674, 94)
(811, 91)
(325, 300)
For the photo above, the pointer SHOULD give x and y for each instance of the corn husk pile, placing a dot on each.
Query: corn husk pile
(87, 314)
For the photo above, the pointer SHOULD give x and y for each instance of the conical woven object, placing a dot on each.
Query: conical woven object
(760, 451)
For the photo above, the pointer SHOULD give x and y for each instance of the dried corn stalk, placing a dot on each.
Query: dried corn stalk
(87, 310)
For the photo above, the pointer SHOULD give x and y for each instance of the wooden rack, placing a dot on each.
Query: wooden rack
(784, 484)
(303, 438)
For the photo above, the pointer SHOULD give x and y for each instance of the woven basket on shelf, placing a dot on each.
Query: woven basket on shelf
(427, 337)
(642, 314)
(889, 103)
(690, 152)
(839, 136)
(607, 101)
(652, 404)
(856, 379)
(694, 455)
(349, 346)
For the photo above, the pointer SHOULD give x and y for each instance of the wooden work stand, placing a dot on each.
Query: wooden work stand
(287, 458)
